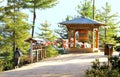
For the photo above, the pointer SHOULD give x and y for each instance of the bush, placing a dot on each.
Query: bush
(117, 48)
(24, 60)
(97, 70)
(1, 64)
(113, 73)
(51, 52)
(102, 70)
(115, 62)
(7, 63)
(60, 50)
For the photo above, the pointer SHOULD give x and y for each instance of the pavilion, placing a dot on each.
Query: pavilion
(82, 31)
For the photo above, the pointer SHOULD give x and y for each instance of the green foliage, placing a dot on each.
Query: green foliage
(39, 4)
(46, 32)
(102, 70)
(117, 48)
(16, 27)
(97, 70)
(109, 19)
(117, 38)
(115, 62)
(24, 60)
(6, 63)
(85, 9)
(0, 38)
(51, 52)
(1, 64)
(113, 73)
(15, 33)
(60, 50)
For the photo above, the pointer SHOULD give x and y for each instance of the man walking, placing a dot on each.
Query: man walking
(16, 57)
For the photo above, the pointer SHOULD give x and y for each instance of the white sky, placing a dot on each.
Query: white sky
(67, 7)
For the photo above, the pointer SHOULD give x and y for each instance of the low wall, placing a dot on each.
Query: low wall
(80, 50)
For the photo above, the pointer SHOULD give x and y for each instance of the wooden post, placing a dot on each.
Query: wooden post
(44, 52)
(74, 38)
(41, 53)
(92, 39)
(69, 38)
(36, 55)
(97, 39)
(31, 55)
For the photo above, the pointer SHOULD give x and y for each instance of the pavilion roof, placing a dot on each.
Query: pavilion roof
(35, 40)
(30, 39)
(81, 21)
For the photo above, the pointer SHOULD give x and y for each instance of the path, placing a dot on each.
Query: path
(68, 65)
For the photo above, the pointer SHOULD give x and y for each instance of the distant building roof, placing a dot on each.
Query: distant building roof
(81, 20)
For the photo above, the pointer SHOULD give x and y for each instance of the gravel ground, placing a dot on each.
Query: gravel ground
(67, 65)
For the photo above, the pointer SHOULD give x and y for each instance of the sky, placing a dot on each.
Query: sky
(67, 7)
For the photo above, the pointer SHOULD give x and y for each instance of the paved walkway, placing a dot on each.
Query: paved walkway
(68, 65)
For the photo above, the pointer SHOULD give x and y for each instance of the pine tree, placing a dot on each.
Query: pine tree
(16, 27)
(107, 33)
(85, 9)
(38, 4)
(46, 32)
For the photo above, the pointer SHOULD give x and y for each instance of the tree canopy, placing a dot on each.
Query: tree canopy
(107, 33)
(38, 4)
(46, 32)
(15, 21)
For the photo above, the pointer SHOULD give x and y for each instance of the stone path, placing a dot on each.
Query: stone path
(68, 65)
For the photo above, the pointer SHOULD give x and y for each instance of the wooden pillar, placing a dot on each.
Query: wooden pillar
(36, 55)
(41, 56)
(74, 38)
(97, 38)
(31, 55)
(44, 51)
(92, 39)
(69, 39)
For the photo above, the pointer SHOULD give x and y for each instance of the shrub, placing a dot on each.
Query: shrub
(97, 70)
(24, 60)
(115, 62)
(60, 50)
(113, 73)
(117, 48)
(1, 64)
(102, 70)
(8, 63)
(51, 52)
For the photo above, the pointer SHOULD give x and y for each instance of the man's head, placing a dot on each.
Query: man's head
(17, 48)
